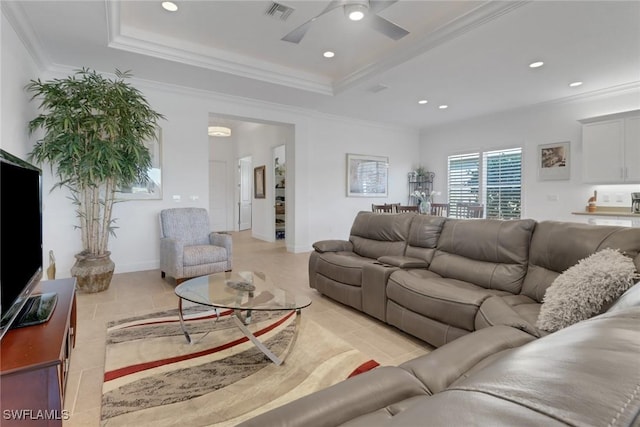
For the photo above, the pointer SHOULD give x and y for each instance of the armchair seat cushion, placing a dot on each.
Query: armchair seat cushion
(203, 254)
(450, 301)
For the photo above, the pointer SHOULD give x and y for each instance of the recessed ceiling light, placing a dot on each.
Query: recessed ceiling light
(536, 64)
(170, 6)
(355, 12)
(443, 106)
(575, 84)
(329, 54)
(422, 101)
(219, 131)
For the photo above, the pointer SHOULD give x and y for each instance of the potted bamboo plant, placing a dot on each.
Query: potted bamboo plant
(95, 130)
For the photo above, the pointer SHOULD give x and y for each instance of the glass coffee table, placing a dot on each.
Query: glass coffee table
(243, 292)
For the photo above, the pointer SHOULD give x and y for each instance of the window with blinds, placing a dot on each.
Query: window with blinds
(502, 183)
(464, 183)
(485, 184)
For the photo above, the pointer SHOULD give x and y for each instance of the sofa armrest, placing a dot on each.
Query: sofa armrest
(171, 251)
(403, 261)
(333, 246)
(345, 400)
(438, 369)
(223, 240)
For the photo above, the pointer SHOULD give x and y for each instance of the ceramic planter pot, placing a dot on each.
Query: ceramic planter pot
(93, 272)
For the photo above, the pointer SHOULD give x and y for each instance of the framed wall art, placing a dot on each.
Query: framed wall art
(259, 182)
(367, 176)
(151, 190)
(554, 161)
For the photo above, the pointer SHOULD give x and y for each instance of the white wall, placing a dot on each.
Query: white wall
(527, 128)
(17, 68)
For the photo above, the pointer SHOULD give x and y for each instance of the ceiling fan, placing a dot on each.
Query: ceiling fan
(355, 10)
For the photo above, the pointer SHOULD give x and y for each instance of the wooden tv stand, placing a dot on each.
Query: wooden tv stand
(34, 362)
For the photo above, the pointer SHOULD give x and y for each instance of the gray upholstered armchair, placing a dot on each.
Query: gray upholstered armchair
(187, 246)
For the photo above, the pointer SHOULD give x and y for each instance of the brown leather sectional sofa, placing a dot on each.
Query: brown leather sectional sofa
(489, 277)
(587, 374)
(440, 279)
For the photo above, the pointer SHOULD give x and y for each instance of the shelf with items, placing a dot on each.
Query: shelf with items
(422, 182)
(280, 212)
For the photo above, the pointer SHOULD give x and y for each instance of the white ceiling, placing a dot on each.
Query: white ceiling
(471, 55)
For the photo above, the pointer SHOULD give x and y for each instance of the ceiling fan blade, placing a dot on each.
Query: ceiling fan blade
(376, 6)
(387, 28)
(296, 35)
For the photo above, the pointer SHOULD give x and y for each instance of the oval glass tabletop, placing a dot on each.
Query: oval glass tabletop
(243, 290)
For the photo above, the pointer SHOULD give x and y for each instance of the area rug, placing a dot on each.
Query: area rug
(154, 377)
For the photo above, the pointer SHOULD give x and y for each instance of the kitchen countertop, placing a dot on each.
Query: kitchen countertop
(609, 211)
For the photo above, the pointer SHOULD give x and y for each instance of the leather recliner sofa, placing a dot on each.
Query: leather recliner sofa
(587, 374)
(440, 279)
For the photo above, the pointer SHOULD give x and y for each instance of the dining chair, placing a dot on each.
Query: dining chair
(440, 209)
(386, 208)
(410, 208)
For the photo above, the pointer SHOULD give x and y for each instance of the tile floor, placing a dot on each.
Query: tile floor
(144, 292)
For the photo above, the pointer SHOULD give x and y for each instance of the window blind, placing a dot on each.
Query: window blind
(463, 182)
(502, 183)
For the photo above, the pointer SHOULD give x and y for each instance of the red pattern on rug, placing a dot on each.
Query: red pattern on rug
(128, 370)
(366, 366)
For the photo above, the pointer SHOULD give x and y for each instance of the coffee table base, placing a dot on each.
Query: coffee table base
(241, 322)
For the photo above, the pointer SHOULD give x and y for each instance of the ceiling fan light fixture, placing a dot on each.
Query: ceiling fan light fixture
(356, 11)
(219, 131)
(170, 6)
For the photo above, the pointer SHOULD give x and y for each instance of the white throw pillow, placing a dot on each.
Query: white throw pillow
(582, 290)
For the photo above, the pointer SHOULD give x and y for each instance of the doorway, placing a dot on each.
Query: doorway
(244, 193)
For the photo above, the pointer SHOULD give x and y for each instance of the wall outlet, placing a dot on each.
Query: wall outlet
(194, 198)
(606, 198)
(619, 198)
(553, 197)
(176, 198)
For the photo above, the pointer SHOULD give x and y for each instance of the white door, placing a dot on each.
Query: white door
(245, 188)
(218, 200)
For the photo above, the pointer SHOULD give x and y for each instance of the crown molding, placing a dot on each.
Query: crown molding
(17, 19)
(297, 113)
(609, 91)
(216, 60)
(451, 30)
(585, 96)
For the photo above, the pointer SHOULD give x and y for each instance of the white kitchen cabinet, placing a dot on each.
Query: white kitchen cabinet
(611, 148)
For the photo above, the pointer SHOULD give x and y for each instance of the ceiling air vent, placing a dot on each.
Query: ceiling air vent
(279, 11)
(378, 88)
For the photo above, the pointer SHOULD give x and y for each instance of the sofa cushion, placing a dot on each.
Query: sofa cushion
(557, 246)
(490, 253)
(203, 254)
(374, 235)
(423, 237)
(516, 311)
(450, 301)
(581, 292)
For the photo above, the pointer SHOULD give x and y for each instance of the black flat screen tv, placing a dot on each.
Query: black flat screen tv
(20, 235)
